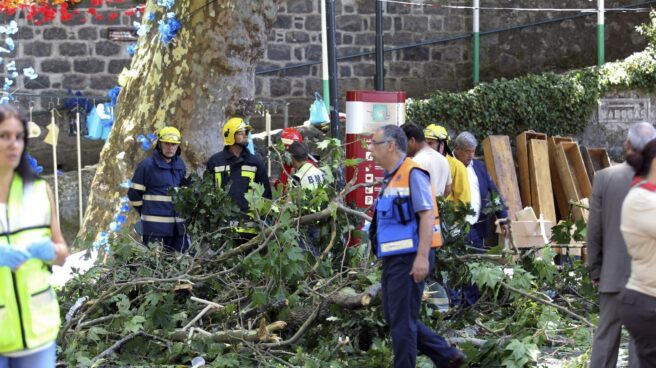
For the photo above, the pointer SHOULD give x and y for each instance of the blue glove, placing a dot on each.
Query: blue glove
(12, 257)
(43, 249)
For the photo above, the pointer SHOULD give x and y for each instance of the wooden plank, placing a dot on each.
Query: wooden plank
(541, 193)
(501, 166)
(573, 175)
(599, 158)
(587, 162)
(562, 205)
(522, 160)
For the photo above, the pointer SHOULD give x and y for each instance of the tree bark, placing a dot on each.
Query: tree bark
(206, 74)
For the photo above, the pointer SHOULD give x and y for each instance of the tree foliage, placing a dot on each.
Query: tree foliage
(275, 301)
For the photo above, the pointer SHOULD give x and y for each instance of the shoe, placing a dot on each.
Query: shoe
(457, 361)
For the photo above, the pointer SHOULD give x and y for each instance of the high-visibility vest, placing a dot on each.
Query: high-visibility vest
(309, 176)
(397, 227)
(29, 312)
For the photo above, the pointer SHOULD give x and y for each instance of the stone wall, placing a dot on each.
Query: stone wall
(74, 55)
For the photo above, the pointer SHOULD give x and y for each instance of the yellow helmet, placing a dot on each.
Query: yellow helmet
(169, 134)
(232, 126)
(436, 132)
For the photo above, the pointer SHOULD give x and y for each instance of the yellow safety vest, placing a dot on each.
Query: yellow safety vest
(29, 312)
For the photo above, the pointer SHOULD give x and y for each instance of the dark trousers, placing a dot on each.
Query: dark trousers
(401, 302)
(470, 292)
(607, 336)
(176, 243)
(638, 314)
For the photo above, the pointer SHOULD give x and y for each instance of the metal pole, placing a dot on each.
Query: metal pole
(379, 81)
(601, 52)
(55, 138)
(324, 57)
(79, 166)
(332, 69)
(267, 126)
(477, 42)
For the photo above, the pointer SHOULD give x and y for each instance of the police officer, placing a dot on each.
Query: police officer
(438, 138)
(30, 241)
(237, 167)
(405, 230)
(149, 192)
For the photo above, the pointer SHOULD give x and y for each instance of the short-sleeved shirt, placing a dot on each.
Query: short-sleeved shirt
(437, 166)
(421, 193)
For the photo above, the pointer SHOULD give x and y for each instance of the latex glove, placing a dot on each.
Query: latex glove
(43, 249)
(12, 257)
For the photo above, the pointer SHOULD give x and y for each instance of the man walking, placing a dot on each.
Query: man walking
(608, 260)
(404, 231)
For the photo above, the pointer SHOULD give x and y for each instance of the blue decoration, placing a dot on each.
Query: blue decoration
(10, 43)
(168, 28)
(77, 102)
(30, 73)
(113, 94)
(150, 16)
(132, 49)
(147, 141)
(38, 169)
(126, 184)
(142, 29)
(168, 4)
(11, 29)
(8, 84)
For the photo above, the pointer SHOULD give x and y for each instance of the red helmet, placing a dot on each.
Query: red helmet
(290, 135)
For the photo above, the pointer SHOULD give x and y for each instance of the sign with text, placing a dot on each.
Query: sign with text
(624, 110)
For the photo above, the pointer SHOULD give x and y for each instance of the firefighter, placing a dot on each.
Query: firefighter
(438, 139)
(237, 168)
(149, 192)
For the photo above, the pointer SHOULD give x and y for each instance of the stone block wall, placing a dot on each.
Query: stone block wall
(77, 55)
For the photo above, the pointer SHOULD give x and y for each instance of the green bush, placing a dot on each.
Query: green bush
(549, 103)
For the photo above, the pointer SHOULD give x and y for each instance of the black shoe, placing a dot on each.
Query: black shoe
(457, 361)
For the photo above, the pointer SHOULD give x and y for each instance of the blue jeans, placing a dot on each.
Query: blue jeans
(42, 359)
(401, 303)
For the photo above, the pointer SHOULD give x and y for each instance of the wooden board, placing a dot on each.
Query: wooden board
(501, 167)
(562, 205)
(599, 158)
(573, 175)
(587, 162)
(541, 193)
(522, 160)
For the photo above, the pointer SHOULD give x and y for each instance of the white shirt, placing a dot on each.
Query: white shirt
(475, 193)
(308, 176)
(437, 167)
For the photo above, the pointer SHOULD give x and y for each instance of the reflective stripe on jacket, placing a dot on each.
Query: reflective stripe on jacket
(29, 312)
(149, 194)
(394, 213)
(238, 173)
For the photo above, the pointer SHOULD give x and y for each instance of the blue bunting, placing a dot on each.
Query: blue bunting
(147, 141)
(38, 169)
(168, 28)
(150, 16)
(168, 4)
(132, 49)
(113, 94)
(77, 102)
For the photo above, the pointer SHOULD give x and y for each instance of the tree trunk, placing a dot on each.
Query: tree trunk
(203, 76)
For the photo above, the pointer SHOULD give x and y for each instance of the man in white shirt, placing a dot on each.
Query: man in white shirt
(436, 164)
(305, 174)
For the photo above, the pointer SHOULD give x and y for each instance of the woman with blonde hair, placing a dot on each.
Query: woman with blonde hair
(30, 242)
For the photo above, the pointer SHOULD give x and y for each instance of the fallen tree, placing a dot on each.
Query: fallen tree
(285, 298)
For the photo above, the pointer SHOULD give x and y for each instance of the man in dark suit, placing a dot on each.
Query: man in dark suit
(482, 189)
(608, 260)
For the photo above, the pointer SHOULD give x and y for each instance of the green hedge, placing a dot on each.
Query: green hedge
(549, 103)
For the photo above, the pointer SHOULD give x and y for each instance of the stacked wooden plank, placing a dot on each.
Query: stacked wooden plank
(554, 177)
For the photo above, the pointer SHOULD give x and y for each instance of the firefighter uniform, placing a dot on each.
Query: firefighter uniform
(149, 195)
(29, 312)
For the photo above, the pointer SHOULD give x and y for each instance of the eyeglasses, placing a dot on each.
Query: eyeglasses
(375, 143)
